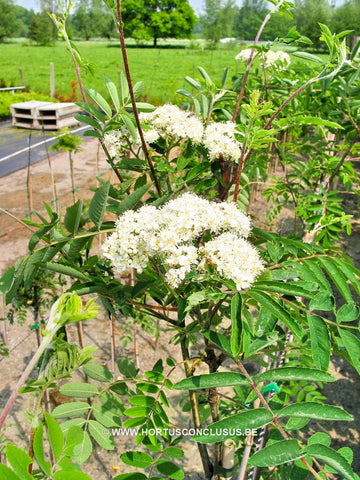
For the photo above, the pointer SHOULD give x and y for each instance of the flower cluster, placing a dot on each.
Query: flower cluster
(186, 233)
(117, 141)
(278, 60)
(244, 55)
(219, 139)
(170, 120)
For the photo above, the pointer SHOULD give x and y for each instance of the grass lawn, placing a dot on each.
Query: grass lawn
(162, 71)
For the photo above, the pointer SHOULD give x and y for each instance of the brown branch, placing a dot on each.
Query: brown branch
(133, 101)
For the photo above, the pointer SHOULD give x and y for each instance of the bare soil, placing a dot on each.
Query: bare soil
(21, 342)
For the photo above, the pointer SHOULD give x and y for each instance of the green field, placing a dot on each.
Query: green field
(162, 71)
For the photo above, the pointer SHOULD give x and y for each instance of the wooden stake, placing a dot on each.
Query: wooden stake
(52, 80)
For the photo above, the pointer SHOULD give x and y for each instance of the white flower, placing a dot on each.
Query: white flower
(186, 234)
(219, 139)
(117, 141)
(278, 60)
(234, 258)
(244, 55)
(170, 120)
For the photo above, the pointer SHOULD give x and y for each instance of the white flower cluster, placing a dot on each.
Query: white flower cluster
(171, 120)
(234, 258)
(174, 235)
(244, 55)
(117, 141)
(219, 139)
(278, 60)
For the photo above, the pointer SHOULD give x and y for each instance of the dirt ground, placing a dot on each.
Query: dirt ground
(21, 342)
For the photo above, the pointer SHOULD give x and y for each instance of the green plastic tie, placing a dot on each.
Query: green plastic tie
(271, 387)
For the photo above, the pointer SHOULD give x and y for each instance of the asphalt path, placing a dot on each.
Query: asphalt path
(18, 146)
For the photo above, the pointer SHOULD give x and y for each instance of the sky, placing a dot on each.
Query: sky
(196, 4)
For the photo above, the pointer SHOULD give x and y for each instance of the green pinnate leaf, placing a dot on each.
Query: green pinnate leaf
(78, 390)
(234, 425)
(277, 454)
(70, 475)
(73, 216)
(173, 452)
(170, 469)
(347, 313)
(99, 100)
(98, 372)
(106, 417)
(55, 436)
(114, 94)
(315, 410)
(71, 409)
(352, 345)
(133, 199)
(295, 374)
(137, 459)
(7, 474)
(131, 476)
(236, 324)
(74, 437)
(102, 436)
(211, 380)
(142, 400)
(98, 203)
(39, 450)
(82, 451)
(19, 461)
(320, 437)
(322, 301)
(320, 342)
(127, 368)
(333, 459)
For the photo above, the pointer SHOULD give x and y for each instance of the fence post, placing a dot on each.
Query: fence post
(22, 76)
(52, 80)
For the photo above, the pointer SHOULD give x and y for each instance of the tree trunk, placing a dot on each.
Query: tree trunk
(155, 42)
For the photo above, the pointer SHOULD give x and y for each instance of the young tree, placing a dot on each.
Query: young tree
(41, 29)
(8, 21)
(218, 19)
(154, 19)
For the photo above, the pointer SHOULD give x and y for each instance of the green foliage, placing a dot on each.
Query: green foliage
(294, 310)
(157, 19)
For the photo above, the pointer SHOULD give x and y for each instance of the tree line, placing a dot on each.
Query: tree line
(154, 19)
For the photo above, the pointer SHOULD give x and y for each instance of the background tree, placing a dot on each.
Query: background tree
(92, 19)
(146, 19)
(218, 19)
(308, 14)
(41, 29)
(346, 17)
(9, 24)
(250, 17)
(23, 17)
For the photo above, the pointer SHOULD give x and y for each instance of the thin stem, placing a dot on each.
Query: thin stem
(72, 177)
(31, 365)
(342, 161)
(251, 58)
(16, 219)
(207, 465)
(28, 178)
(133, 101)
